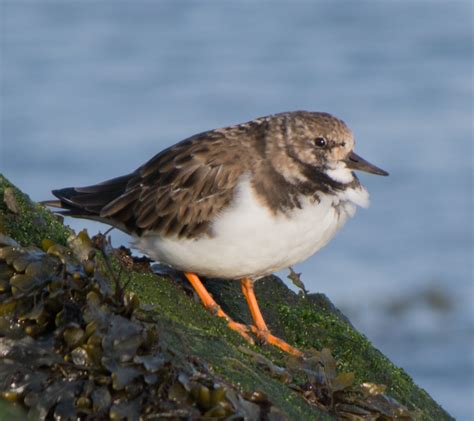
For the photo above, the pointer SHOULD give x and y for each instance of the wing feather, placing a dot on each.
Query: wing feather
(181, 190)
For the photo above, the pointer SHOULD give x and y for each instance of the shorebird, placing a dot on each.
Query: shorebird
(239, 202)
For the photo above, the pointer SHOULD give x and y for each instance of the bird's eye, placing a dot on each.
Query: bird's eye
(320, 142)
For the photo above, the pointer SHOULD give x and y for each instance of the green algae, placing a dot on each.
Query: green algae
(188, 329)
(306, 322)
(11, 412)
(313, 322)
(31, 223)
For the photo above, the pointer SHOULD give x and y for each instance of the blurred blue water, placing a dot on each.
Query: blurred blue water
(91, 90)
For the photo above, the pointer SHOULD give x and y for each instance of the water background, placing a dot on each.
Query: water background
(90, 90)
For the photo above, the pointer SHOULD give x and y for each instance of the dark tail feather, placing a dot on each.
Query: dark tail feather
(88, 202)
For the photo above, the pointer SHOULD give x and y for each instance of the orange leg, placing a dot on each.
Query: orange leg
(213, 307)
(260, 328)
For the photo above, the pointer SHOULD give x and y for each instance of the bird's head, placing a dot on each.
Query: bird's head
(321, 141)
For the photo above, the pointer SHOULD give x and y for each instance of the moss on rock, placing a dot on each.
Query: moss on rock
(27, 222)
(310, 322)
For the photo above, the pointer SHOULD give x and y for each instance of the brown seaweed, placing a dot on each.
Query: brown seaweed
(73, 348)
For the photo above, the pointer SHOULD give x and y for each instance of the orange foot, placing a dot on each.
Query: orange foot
(241, 329)
(215, 308)
(265, 336)
(260, 329)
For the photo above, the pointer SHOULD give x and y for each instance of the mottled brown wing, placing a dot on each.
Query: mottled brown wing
(180, 190)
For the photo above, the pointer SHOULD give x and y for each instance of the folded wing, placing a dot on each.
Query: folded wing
(177, 193)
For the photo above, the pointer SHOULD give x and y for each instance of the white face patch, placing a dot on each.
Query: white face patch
(340, 173)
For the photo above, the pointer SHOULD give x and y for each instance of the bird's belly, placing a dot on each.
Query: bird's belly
(249, 240)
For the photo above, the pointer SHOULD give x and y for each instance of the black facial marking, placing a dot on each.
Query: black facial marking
(282, 195)
(279, 194)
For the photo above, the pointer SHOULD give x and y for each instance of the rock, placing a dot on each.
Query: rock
(342, 376)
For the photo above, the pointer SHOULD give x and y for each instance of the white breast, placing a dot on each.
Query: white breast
(250, 241)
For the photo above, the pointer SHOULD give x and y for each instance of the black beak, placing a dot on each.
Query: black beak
(355, 162)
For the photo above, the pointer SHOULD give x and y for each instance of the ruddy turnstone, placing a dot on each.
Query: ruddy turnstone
(238, 202)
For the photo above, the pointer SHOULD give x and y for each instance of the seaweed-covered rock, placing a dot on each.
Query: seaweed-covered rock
(73, 347)
(88, 331)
